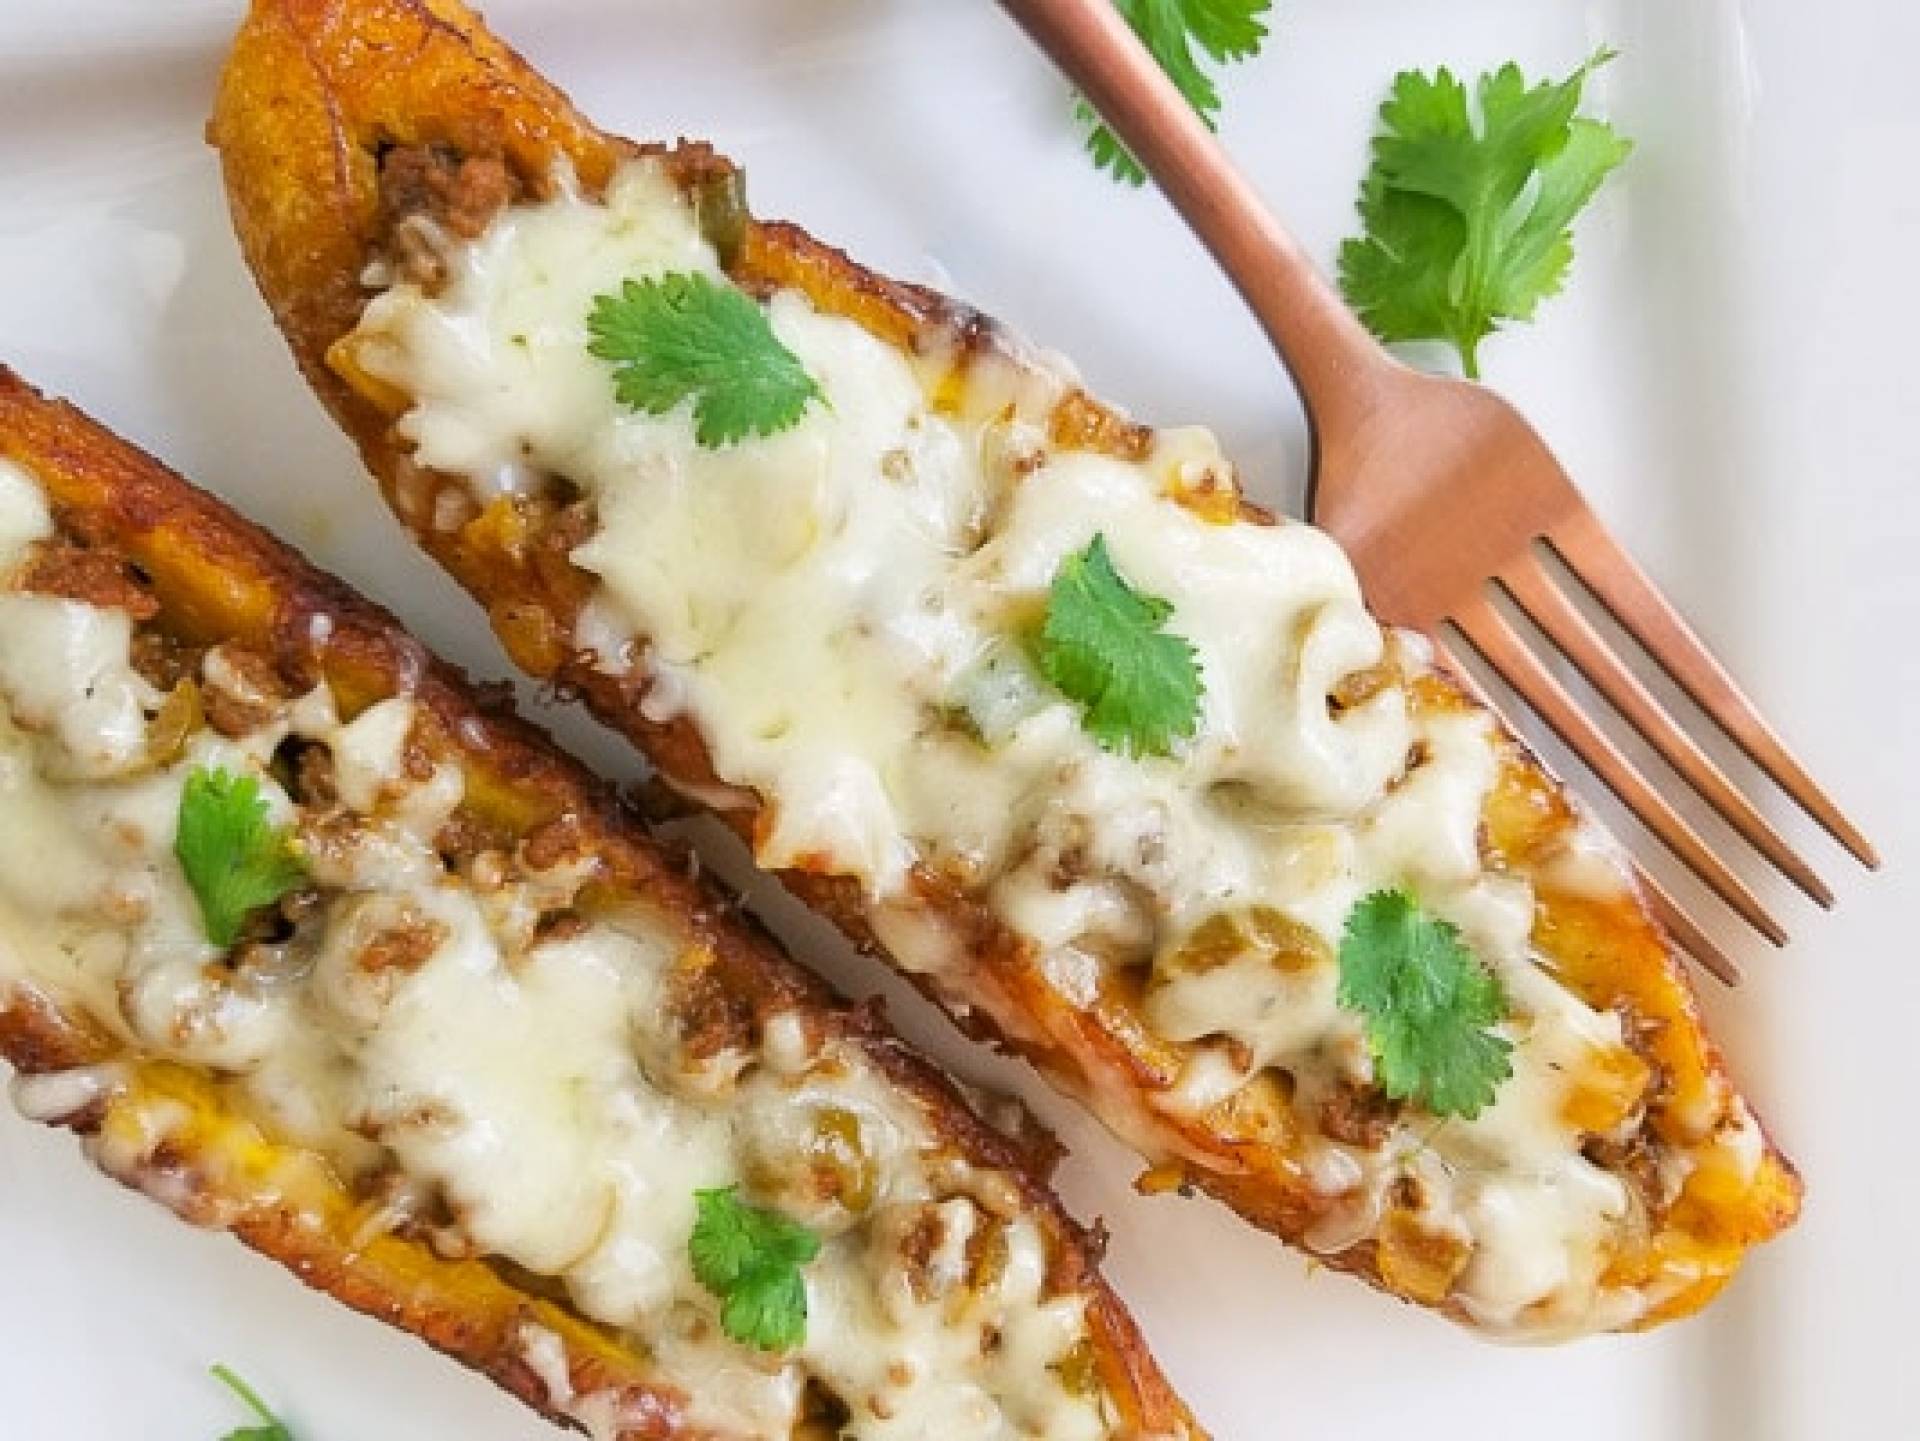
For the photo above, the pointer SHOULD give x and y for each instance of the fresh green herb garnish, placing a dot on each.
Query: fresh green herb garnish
(1103, 645)
(687, 337)
(271, 1427)
(1468, 221)
(1222, 30)
(236, 860)
(751, 1260)
(1428, 1003)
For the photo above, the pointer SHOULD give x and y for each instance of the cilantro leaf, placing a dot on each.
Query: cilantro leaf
(1469, 221)
(1103, 645)
(1427, 1002)
(1222, 30)
(235, 859)
(751, 1260)
(687, 337)
(271, 1427)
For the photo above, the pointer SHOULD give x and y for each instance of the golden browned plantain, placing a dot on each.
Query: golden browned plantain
(194, 578)
(316, 99)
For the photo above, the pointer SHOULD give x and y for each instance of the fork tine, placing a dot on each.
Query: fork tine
(1681, 927)
(1606, 569)
(1685, 931)
(1490, 634)
(1537, 594)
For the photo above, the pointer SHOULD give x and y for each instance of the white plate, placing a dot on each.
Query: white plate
(1730, 376)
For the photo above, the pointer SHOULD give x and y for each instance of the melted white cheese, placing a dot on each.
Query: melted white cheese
(54, 1097)
(63, 667)
(23, 516)
(539, 1089)
(822, 602)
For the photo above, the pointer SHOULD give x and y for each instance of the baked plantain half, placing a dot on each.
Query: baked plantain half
(312, 944)
(1019, 692)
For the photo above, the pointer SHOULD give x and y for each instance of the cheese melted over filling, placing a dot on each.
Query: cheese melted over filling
(838, 608)
(524, 1092)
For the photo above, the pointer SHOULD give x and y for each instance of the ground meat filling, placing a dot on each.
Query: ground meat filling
(1359, 1116)
(427, 192)
(713, 1020)
(163, 661)
(249, 693)
(238, 691)
(71, 571)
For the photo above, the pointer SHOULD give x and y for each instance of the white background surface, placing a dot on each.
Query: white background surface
(1731, 378)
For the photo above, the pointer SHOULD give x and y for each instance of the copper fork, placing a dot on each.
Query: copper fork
(1453, 509)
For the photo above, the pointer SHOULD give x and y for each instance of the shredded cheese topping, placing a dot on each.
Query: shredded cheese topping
(838, 609)
(516, 1078)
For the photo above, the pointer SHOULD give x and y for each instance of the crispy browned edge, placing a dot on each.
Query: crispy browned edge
(220, 578)
(313, 91)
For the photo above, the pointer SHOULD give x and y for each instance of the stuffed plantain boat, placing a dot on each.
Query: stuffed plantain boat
(1019, 692)
(312, 945)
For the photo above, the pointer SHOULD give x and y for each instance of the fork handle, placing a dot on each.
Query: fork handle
(1332, 358)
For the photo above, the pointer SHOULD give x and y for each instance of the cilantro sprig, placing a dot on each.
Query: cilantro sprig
(751, 1259)
(1428, 1003)
(685, 337)
(271, 1427)
(236, 860)
(1469, 220)
(1103, 644)
(1223, 31)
